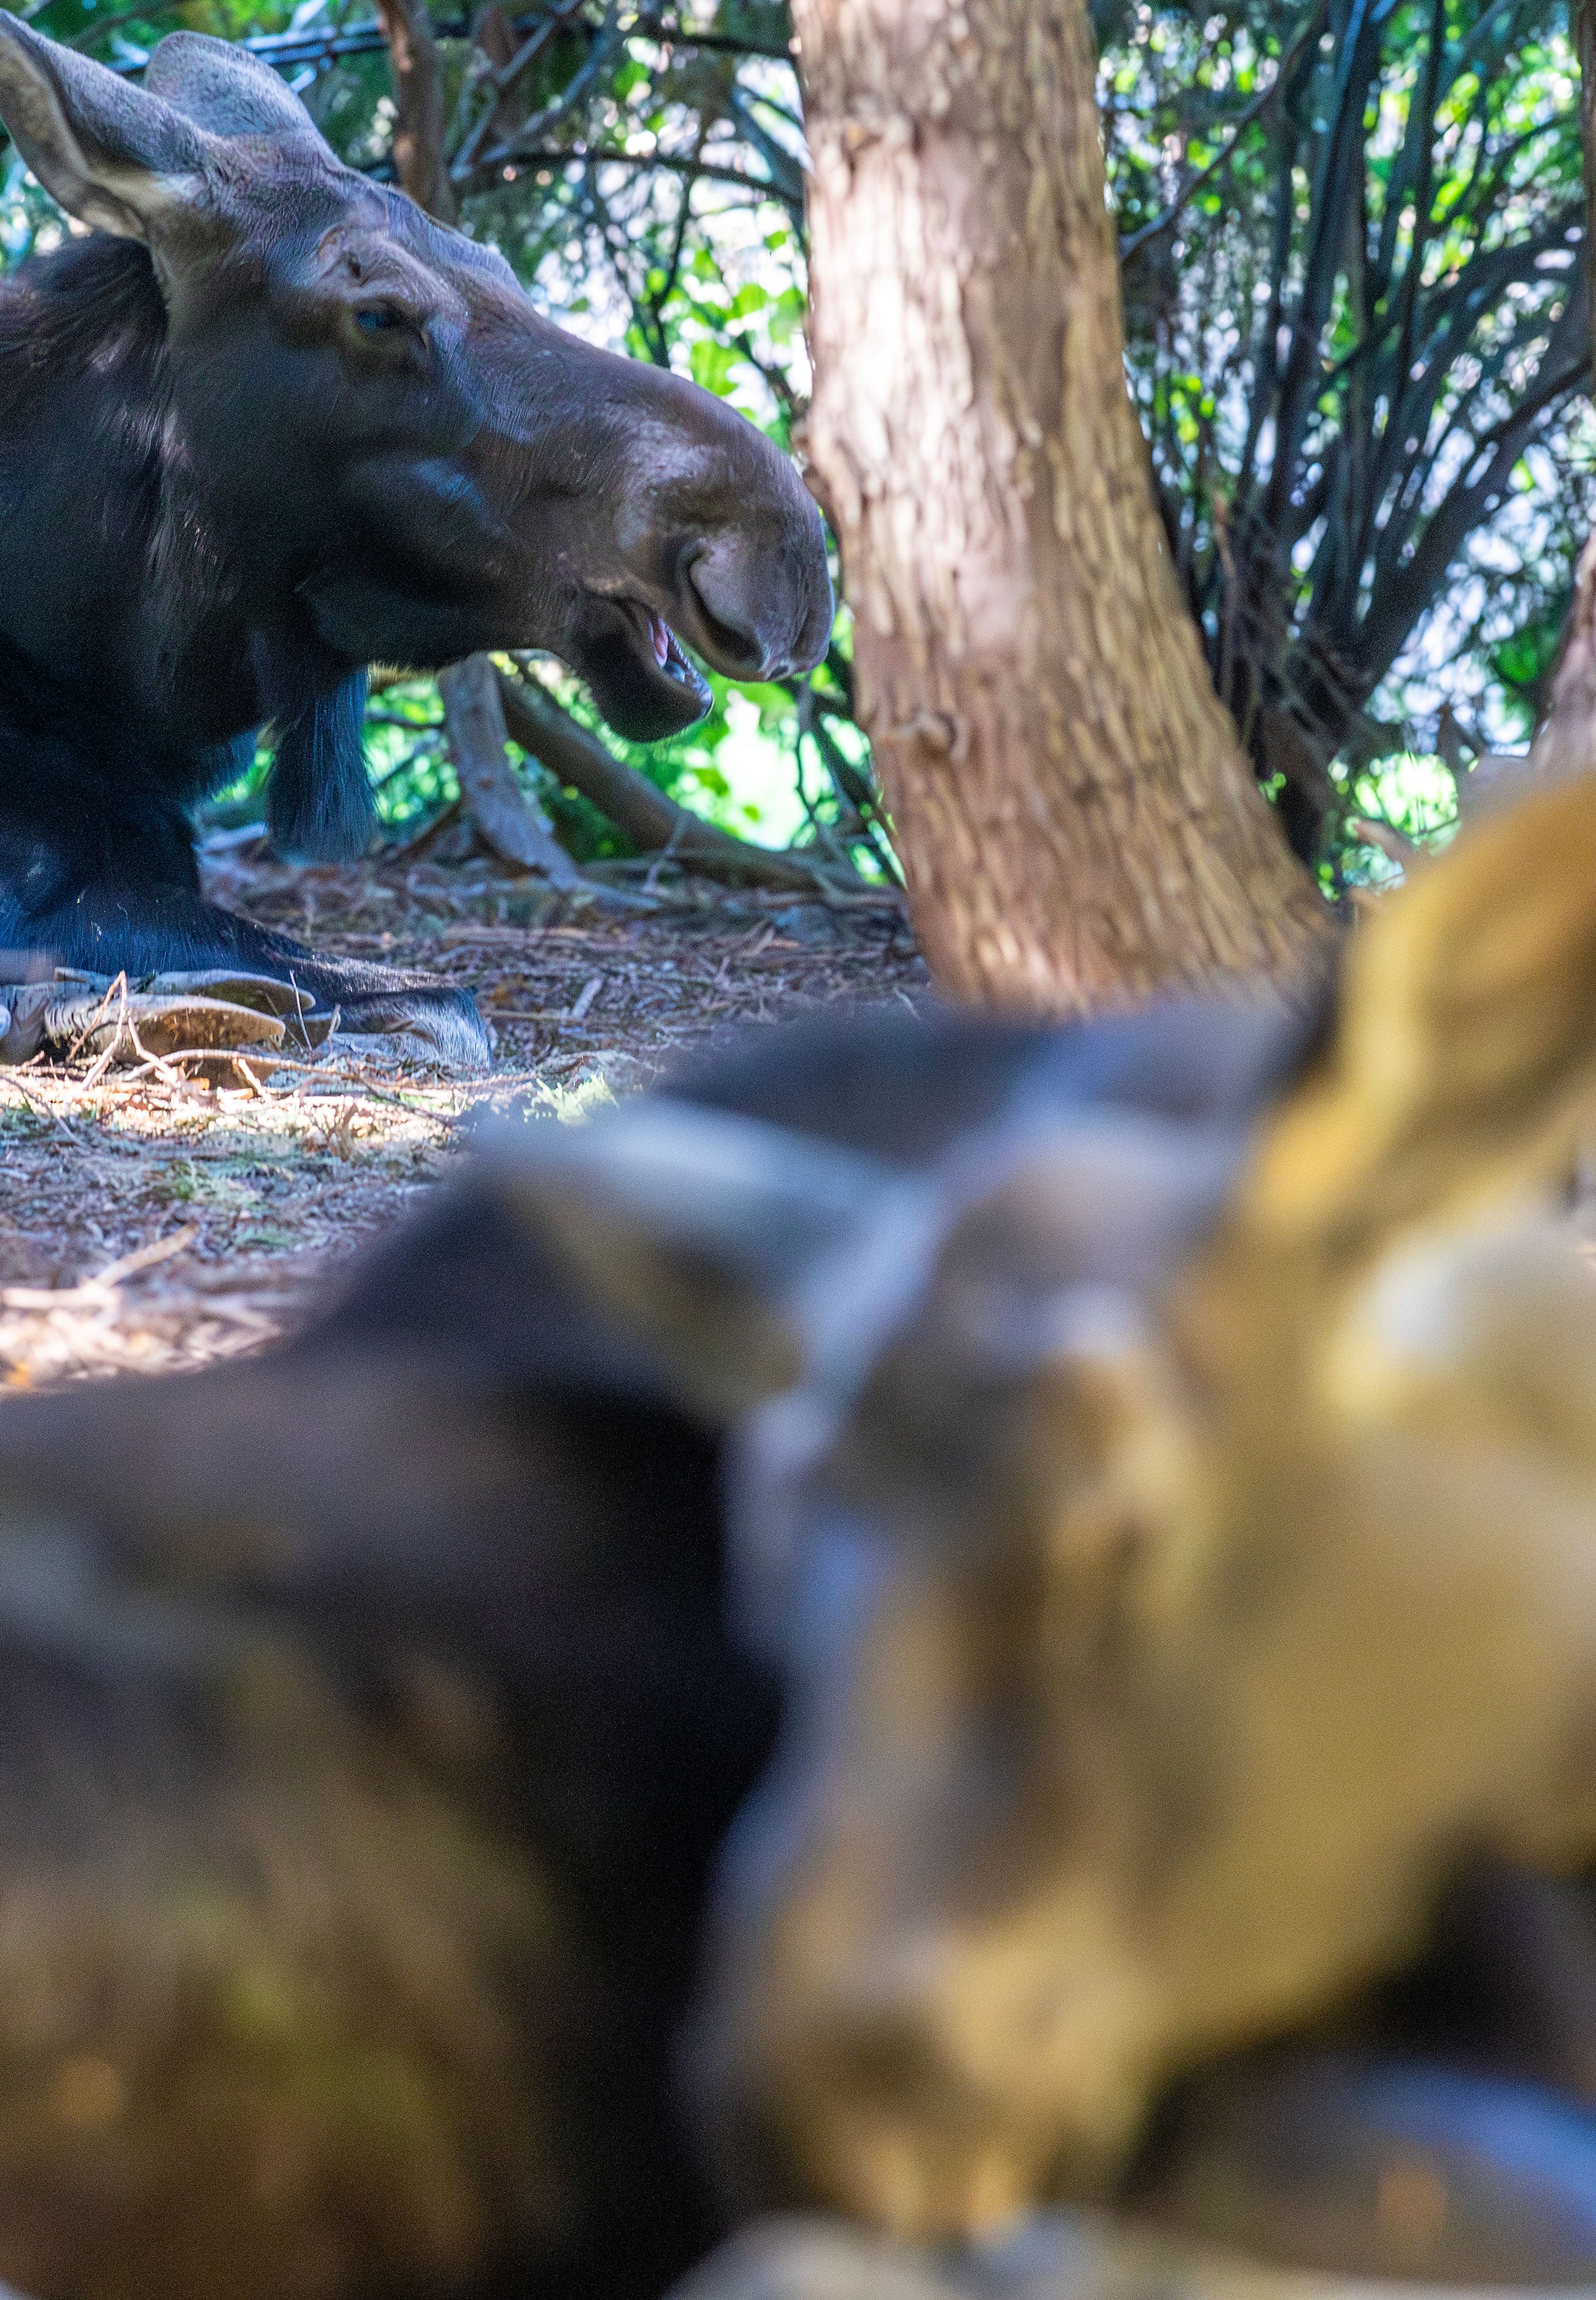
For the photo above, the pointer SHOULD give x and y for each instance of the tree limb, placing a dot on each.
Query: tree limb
(418, 92)
(502, 81)
(480, 167)
(638, 807)
(1261, 103)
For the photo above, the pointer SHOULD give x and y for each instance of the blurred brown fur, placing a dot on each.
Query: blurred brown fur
(1175, 1547)
(366, 1727)
(1215, 1584)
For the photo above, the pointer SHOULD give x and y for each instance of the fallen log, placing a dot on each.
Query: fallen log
(653, 823)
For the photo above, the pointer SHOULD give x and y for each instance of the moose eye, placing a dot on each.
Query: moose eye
(378, 319)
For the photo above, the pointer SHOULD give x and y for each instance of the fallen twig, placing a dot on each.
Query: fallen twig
(1393, 844)
(653, 823)
(106, 1057)
(103, 1284)
(40, 1108)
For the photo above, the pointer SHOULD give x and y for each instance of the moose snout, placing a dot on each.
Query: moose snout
(694, 532)
(936, 2072)
(864, 2120)
(755, 607)
(877, 2108)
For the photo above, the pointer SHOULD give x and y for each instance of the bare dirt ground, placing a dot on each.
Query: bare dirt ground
(157, 1224)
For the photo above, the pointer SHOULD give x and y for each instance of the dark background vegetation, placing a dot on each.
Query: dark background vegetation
(1355, 294)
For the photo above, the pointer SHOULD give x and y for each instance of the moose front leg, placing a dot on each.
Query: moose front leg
(54, 912)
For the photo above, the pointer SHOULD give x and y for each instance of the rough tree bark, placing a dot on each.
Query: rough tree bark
(1565, 744)
(1076, 820)
(419, 160)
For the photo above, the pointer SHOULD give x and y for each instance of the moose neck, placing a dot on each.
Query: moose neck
(116, 581)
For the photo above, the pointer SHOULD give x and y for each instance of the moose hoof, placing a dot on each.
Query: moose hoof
(162, 1017)
(439, 1027)
(213, 1012)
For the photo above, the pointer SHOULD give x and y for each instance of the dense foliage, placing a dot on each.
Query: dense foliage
(1358, 332)
(1355, 306)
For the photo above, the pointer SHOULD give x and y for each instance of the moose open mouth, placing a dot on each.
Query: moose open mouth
(637, 670)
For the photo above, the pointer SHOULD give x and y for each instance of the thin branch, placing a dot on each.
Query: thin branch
(636, 807)
(514, 149)
(500, 82)
(90, 32)
(786, 169)
(1243, 120)
(552, 156)
(656, 304)
(654, 28)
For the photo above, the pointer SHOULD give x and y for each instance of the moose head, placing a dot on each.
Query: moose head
(1176, 1521)
(394, 455)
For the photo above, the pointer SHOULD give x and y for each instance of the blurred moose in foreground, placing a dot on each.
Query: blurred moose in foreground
(1160, 1477)
(269, 423)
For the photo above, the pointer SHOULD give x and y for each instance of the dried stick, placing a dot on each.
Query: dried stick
(100, 1286)
(639, 808)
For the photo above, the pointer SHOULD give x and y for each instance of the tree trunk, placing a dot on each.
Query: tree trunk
(1077, 822)
(418, 159)
(1565, 744)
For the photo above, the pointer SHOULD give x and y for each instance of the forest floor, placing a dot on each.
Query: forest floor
(152, 1225)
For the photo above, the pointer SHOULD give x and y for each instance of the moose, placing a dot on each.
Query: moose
(1171, 1515)
(267, 423)
(871, 1506)
(365, 1788)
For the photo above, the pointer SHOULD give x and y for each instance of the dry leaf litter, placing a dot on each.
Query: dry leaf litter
(161, 1223)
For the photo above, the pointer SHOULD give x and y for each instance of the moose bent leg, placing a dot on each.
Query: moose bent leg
(123, 896)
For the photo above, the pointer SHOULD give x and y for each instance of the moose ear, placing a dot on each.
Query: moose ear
(224, 89)
(1462, 1072)
(705, 1233)
(113, 155)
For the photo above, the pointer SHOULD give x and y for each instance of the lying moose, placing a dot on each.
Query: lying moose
(268, 423)
(1175, 1524)
(1161, 1488)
